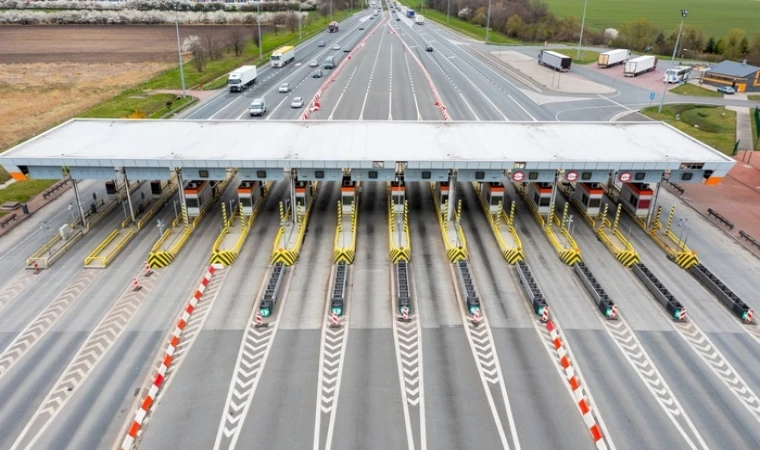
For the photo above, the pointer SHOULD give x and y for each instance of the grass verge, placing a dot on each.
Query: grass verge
(137, 104)
(463, 26)
(715, 126)
(23, 191)
(690, 89)
(755, 97)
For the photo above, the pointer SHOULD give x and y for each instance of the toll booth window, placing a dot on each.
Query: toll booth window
(545, 201)
(398, 199)
(686, 176)
(347, 200)
(300, 201)
(480, 175)
(261, 174)
(585, 199)
(203, 173)
(533, 175)
(586, 176)
(495, 200)
(191, 202)
(372, 174)
(595, 203)
(640, 176)
(426, 175)
(632, 201)
(246, 201)
(536, 196)
(319, 174)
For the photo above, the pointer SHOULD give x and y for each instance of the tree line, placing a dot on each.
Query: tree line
(533, 21)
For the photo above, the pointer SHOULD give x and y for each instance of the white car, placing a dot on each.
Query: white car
(313, 63)
(258, 107)
(284, 88)
(297, 102)
(336, 47)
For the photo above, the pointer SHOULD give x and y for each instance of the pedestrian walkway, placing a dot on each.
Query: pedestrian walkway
(13, 218)
(736, 198)
(743, 127)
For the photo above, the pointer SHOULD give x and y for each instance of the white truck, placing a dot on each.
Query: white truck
(613, 58)
(554, 60)
(419, 20)
(241, 78)
(282, 56)
(642, 64)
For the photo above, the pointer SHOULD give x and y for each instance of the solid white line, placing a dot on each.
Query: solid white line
(320, 367)
(348, 83)
(400, 363)
(521, 107)
(346, 328)
(372, 73)
(613, 101)
(390, 86)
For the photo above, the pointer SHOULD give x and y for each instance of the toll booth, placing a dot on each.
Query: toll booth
(589, 197)
(111, 187)
(398, 196)
(636, 198)
(249, 193)
(442, 193)
(540, 194)
(347, 194)
(303, 193)
(156, 188)
(492, 194)
(197, 195)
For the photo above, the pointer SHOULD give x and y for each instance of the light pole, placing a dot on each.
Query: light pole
(179, 48)
(488, 20)
(71, 210)
(258, 23)
(300, 35)
(690, 51)
(160, 225)
(331, 11)
(680, 28)
(583, 24)
(448, 11)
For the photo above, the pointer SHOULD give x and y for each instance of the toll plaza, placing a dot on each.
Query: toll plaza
(601, 168)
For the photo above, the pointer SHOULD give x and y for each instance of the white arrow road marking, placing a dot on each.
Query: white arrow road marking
(89, 354)
(15, 287)
(44, 321)
(244, 382)
(710, 354)
(648, 373)
(189, 336)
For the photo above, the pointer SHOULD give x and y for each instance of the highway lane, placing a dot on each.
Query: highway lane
(110, 387)
(456, 409)
(537, 391)
(369, 412)
(28, 382)
(623, 400)
(227, 105)
(204, 377)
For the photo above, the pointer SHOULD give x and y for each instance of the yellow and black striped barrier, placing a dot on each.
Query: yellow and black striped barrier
(398, 252)
(679, 253)
(454, 252)
(511, 254)
(160, 259)
(340, 253)
(288, 256)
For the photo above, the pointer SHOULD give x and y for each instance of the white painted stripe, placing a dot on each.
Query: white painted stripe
(153, 391)
(162, 370)
(170, 350)
(128, 441)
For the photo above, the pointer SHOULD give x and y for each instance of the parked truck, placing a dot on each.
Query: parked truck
(282, 56)
(613, 58)
(241, 78)
(554, 60)
(333, 27)
(410, 13)
(419, 20)
(642, 64)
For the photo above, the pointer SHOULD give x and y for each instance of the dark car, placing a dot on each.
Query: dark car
(316, 74)
(322, 43)
(346, 49)
(428, 48)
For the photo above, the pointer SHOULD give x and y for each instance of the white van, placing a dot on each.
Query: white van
(258, 107)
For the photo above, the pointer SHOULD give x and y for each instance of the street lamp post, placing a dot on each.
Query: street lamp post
(583, 24)
(300, 35)
(448, 11)
(684, 13)
(488, 20)
(331, 11)
(179, 48)
(258, 24)
(694, 54)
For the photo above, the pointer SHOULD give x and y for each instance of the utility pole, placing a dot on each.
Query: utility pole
(488, 20)
(583, 24)
(680, 28)
(179, 49)
(258, 23)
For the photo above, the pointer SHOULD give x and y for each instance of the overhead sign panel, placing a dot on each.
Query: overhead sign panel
(320, 174)
(480, 175)
(426, 175)
(534, 175)
(262, 173)
(373, 174)
(148, 173)
(93, 173)
(640, 176)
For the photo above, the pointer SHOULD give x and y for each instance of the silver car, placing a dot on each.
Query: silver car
(313, 63)
(297, 102)
(284, 88)
(336, 47)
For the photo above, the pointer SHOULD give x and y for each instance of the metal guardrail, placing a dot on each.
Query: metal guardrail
(660, 292)
(723, 292)
(601, 298)
(722, 219)
(45, 256)
(749, 239)
(536, 297)
(338, 295)
(51, 190)
(269, 299)
(472, 300)
(676, 187)
(402, 286)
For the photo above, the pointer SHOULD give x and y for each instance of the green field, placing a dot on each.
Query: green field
(714, 17)
(715, 126)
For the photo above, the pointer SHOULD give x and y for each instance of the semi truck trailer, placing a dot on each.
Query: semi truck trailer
(642, 64)
(613, 58)
(554, 60)
(282, 56)
(241, 78)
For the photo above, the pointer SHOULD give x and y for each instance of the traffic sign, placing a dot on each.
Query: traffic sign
(624, 177)
(571, 176)
(518, 176)
(652, 95)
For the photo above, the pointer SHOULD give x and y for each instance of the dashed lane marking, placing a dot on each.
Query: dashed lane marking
(87, 358)
(254, 350)
(36, 330)
(706, 350)
(624, 338)
(345, 88)
(371, 75)
(15, 287)
(411, 83)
